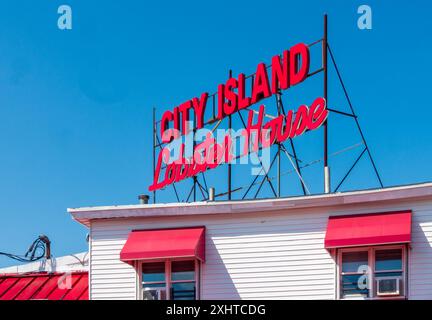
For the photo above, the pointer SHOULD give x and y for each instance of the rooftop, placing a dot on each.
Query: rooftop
(44, 286)
(406, 192)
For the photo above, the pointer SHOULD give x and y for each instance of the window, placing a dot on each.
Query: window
(374, 272)
(183, 280)
(154, 283)
(170, 280)
(388, 272)
(354, 274)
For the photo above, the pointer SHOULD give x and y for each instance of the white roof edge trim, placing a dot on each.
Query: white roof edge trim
(85, 214)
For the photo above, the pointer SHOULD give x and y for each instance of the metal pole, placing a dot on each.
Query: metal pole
(282, 109)
(355, 117)
(195, 178)
(154, 149)
(326, 167)
(211, 196)
(278, 98)
(229, 164)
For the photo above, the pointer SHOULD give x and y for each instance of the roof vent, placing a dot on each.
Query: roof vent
(143, 198)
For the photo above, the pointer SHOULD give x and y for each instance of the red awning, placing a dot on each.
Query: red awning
(165, 243)
(44, 286)
(368, 229)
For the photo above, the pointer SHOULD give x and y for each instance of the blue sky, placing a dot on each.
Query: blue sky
(75, 105)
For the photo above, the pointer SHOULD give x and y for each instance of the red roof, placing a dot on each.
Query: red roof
(44, 286)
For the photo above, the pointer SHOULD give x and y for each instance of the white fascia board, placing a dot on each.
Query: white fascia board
(86, 214)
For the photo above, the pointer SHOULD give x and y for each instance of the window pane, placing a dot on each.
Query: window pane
(183, 270)
(388, 260)
(154, 285)
(351, 261)
(183, 291)
(154, 293)
(353, 285)
(153, 272)
(388, 274)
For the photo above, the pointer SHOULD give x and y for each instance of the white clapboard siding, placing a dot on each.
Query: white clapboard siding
(420, 266)
(278, 255)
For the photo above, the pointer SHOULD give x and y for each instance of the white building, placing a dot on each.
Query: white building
(378, 247)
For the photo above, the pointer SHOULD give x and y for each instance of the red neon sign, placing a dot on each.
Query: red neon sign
(289, 71)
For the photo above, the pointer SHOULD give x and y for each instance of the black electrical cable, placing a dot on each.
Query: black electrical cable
(35, 252)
